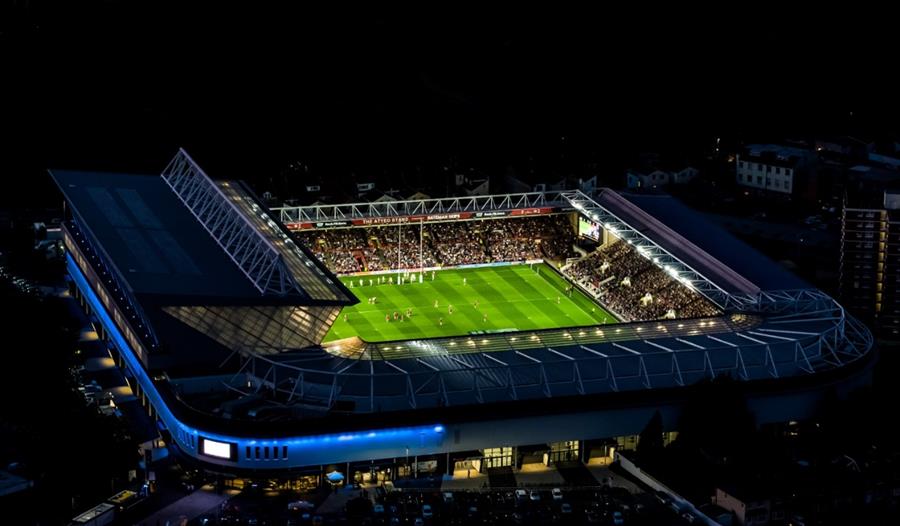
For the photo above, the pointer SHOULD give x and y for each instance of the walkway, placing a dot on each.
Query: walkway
(537, 474)
(186, 508)
(337, 501)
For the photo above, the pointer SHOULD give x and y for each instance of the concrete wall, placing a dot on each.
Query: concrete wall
(656, 485)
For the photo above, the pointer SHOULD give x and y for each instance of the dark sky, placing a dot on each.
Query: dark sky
(119, 84)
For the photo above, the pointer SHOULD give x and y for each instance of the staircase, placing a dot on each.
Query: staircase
(501, 477)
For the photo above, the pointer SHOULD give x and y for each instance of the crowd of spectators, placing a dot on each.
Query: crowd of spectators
(633, 287)
(412, 246)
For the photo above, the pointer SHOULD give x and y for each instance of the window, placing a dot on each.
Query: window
(284, 452)
(257, 452)
(498, 457)
(275, 452)
(759, 179)
(768, 169)
(247, 452)
(266, 452)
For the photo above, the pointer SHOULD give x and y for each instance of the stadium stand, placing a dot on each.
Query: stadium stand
(633, 287)
(351, 250)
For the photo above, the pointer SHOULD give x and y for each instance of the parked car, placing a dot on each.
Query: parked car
(301, 505)
(557, 494)
(534, 496)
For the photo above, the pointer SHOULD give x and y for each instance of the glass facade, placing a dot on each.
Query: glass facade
(564, 451)
(265, 329)
(498, 457)
(111, 306)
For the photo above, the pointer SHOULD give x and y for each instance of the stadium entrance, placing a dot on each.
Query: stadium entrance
(562, 452)
(498, 457)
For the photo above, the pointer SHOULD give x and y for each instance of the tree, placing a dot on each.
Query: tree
(717, 422)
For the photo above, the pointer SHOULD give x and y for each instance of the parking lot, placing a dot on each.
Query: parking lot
(615, 499)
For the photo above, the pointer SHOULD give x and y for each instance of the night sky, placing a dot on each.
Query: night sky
(120, 85)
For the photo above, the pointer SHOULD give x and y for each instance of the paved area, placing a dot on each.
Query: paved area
(538, 475)
(602, 473)
(462, 480)
(186, 508)
(335, 502)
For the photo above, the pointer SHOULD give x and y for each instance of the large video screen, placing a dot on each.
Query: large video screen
(588, 228)
(217, 449)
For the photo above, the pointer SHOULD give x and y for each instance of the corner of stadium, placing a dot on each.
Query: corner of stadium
(274, 343)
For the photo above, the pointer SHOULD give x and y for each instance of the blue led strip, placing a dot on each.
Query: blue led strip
(432, 434)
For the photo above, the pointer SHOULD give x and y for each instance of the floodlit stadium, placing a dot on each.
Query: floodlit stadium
(282, 341)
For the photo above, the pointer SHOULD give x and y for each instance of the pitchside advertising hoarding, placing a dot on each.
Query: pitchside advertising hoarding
(427, 218)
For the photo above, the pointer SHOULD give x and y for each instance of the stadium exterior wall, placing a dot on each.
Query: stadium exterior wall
(618, 414)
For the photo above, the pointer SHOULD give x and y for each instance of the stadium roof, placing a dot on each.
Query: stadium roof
(718, 243)
(161, 249)
(158, 253)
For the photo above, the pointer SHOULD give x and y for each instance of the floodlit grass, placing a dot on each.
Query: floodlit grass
(513, 298)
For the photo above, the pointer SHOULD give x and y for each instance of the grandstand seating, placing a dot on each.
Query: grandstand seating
(620, 277)
(350, 250)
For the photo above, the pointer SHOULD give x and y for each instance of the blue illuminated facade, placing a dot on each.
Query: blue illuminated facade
(302, 451)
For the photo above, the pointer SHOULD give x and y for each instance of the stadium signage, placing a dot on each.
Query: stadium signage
(531, 211)
(394, 220)
(448, 267)
(411, 219)
(491, 214)
(332, 224)
(214, 448)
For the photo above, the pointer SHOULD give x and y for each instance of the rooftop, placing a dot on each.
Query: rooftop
(718, 243)
(150, 236)
(159, 246)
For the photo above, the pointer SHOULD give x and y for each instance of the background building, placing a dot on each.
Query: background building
(783, 170)
(870, 263)
(656, 178)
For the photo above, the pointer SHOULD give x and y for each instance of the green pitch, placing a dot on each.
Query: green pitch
(511, 298)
